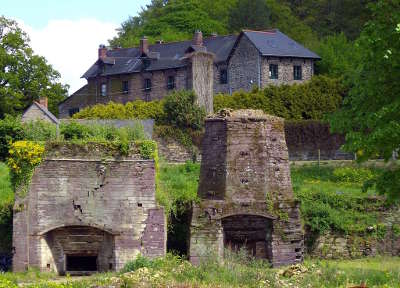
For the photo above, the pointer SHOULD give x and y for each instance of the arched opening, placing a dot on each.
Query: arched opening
(252, 232)
(79, 250)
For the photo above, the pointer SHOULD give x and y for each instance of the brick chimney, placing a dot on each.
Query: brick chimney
(144, 46)
(43, 101)
(198, 38)
(102, 51)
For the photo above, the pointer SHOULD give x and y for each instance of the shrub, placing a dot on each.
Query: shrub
(181, 110)
(310, 100)
(39, 131)
(132, 110)
(10, 130)
(349, 174)
(73, 131)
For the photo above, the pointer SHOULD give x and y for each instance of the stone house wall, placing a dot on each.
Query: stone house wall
(244, 66)
(285, 70)
(80, 205)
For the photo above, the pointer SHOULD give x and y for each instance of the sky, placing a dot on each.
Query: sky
(68, 32)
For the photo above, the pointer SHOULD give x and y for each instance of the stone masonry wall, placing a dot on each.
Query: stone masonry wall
(285, 70)
(244, 66)
(114, 198)
(245, 171)
(91, 95)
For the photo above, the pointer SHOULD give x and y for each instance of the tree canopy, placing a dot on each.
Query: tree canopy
(24, 76)
(370, 116)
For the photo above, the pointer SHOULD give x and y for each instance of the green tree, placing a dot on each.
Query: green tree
(249, 14)
(24, 76)
(370, 116)
(338, 55)
(327, 17)
(171, 20)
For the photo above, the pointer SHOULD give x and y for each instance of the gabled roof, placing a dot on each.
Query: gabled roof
(172, 55)
(169, 55)
(45, 111)
(275, 43)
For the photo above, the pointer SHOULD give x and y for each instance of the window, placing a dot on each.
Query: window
(273, 71)
(171, 82)
(147, 84)
(72, 111)
(297, 72)
(103, 89)
(223, 76)
(125, 87)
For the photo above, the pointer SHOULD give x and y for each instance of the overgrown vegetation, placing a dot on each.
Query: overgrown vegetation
(311, 100)
(238, 270)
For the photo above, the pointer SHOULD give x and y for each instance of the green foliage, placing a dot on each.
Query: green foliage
(311, 100)
(338, 56)
(168, 20)
(351, 175)
(249, 14)
(327, 17)
(6, 206)
(39, 131)
(24, 76)
(74, 130)
(178, 187)
(147, 149)
(332, 201)
(181, 110)
(370, 116)
(10, 130)
(132, 110)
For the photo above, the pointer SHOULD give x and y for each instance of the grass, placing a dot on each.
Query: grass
(237, 271)
(6, 193)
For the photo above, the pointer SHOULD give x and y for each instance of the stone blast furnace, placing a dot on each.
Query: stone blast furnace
(88, 210)
(245, 190)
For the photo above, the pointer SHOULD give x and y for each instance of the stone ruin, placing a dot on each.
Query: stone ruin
(86, 211)
(245, 191)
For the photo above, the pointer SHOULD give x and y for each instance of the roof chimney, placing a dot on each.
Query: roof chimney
(102, 51)
(198, 38)
(43, 102)
(160, 41)
(144, 46)
(214, 35)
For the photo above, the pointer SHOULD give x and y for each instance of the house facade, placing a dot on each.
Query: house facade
(216, 64)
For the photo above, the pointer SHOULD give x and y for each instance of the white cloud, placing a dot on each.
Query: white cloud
(70, 46)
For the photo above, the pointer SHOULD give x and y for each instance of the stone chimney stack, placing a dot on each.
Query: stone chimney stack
(198, 38)
(43, 101)
(144, 46)
(102, 51)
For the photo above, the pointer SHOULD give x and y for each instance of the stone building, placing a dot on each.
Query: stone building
(208, 66)
(88, 209)
(39, 111)
(245, 191)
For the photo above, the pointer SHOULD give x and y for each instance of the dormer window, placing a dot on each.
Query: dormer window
(103, 89)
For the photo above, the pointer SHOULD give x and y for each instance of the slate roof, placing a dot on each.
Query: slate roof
(275, 43)
(171, 55)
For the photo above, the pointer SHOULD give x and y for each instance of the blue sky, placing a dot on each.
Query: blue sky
(68, 32)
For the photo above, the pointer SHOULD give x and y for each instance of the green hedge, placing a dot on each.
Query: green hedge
(310, 100)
